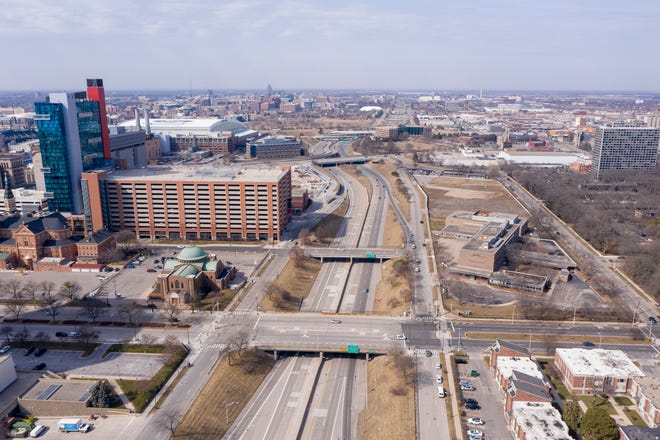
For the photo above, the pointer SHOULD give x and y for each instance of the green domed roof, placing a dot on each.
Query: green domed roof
(191, 253)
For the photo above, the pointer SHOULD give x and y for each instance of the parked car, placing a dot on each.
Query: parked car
(472, 406)
(151, 270)
(28, 351)
(438, 366)
(61, 334)
(653, 320)
(417, 269)
(438, 379)
(467, 388)
(39, 366)
(428, 353)
(475, 433)
(335, 321)
(469, 400)
(5, 349)
(365, 290)
(474, 373)
(460, 361)
(587, 344)
(475, 421)
(74, 334)
(130, 266)
(40, 351)
(401, 337)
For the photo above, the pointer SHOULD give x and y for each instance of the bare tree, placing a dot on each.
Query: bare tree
(405, 364)
(15, 308)
(52, 303)
(70, 290)
(297, 254)
(130, 309)
(87, 334)
(6, 332)
(22, 335)
(94, 308)
(41, 337)
(304, 236)
(31, 290)
(169, 420)
(239, 341)
(16, 297)
(171, 311)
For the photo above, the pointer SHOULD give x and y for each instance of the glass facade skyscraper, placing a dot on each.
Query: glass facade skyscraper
(70, 140)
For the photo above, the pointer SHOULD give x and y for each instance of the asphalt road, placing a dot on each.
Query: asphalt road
(431, 409)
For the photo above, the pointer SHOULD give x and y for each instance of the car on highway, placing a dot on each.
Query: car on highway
(5, 349)
(475, 433)
(475, 421)
(438, 379)
(335, 321)
(401, 337)
(39, 366)
(61, 334)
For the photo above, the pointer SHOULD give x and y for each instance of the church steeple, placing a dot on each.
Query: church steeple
(9, 201)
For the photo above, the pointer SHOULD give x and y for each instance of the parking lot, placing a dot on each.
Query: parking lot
(115, 426)
(124, 365)
(488, 395)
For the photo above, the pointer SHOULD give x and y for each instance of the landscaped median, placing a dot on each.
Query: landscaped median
(550, 338)
(292, 286)
(140, 392)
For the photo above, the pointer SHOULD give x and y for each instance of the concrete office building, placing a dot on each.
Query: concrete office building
(96, 92)
(624, 148)
(70, 137)
(191, 203)
(128, 147)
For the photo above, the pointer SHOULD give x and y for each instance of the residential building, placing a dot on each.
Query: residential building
(7, 370)
(537, 420)
(192, 272)
(602, 371)
(274, 148)
(70, 138)
(646, 394)
(639, 433)
(207, 203)
(624, 148)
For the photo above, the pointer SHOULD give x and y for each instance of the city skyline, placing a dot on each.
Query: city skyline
(501, 45)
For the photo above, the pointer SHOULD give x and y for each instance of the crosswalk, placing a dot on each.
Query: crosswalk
(218, 347)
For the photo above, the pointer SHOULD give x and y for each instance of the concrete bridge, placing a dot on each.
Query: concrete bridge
(353, 254)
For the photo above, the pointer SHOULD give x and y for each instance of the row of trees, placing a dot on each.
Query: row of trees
(595, 424)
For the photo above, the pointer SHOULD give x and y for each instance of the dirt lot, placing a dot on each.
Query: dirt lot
(449, 194)
(391, 403)
(389, 298)
(297, 281)
(229, 383)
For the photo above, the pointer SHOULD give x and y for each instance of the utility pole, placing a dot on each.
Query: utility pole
(513, 312)
(530, 343)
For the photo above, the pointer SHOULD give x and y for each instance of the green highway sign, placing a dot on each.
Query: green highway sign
(353, 348)
(370, 255)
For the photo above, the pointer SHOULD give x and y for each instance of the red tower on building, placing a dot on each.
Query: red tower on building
(95, 92)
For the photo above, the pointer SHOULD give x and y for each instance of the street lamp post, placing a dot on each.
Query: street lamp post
(227, 410)
(513, 312)
(530, 343)
(600, 339)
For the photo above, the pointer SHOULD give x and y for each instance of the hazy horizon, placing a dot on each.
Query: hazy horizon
(499, 45)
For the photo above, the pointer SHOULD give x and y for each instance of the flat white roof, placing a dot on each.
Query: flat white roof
(597, 362)
(540, 420)
(507, 364)
(201, 174)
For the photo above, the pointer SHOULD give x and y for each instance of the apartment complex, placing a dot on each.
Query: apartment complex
(624, 148)
(191, 203)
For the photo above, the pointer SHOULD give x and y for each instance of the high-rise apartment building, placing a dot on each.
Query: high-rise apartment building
(96, 92)
(624, 148)
(70, 138)
(199, 203)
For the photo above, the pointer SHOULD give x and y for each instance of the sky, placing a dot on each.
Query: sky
(605, 45)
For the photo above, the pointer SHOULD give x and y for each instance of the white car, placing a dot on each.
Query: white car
(438, 366)
(438, 379)
(335, 321)
(475, 433)
(475, 421)
(401, 337)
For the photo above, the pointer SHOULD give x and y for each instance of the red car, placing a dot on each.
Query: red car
(151, 270)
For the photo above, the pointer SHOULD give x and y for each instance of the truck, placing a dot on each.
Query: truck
(72, 425)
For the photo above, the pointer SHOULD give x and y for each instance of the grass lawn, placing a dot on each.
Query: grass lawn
(140, 392)
(329, 226)
(599, 401)
(635, 418)
(393, 234)
(229, 383)
(297, 281)
(389, 297)
(222, 297)
(390, 413)
(478, 311)
(557, 384)
(556, 338)
(623, 401)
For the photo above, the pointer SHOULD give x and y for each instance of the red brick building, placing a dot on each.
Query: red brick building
(646, 394)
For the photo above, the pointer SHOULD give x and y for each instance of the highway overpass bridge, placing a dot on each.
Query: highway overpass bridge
(324, 349)
(336, 161)
(353, 254)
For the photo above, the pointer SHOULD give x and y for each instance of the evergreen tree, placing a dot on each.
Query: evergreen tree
(596, 424)
(100, 396)
(572, 414)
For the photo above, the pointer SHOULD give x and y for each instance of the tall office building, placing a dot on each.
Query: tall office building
(624, 148)
(96, 92)
(70, 139)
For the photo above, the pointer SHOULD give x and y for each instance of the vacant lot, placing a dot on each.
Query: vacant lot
(230, 383)
(291, 287)
(390, 412)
